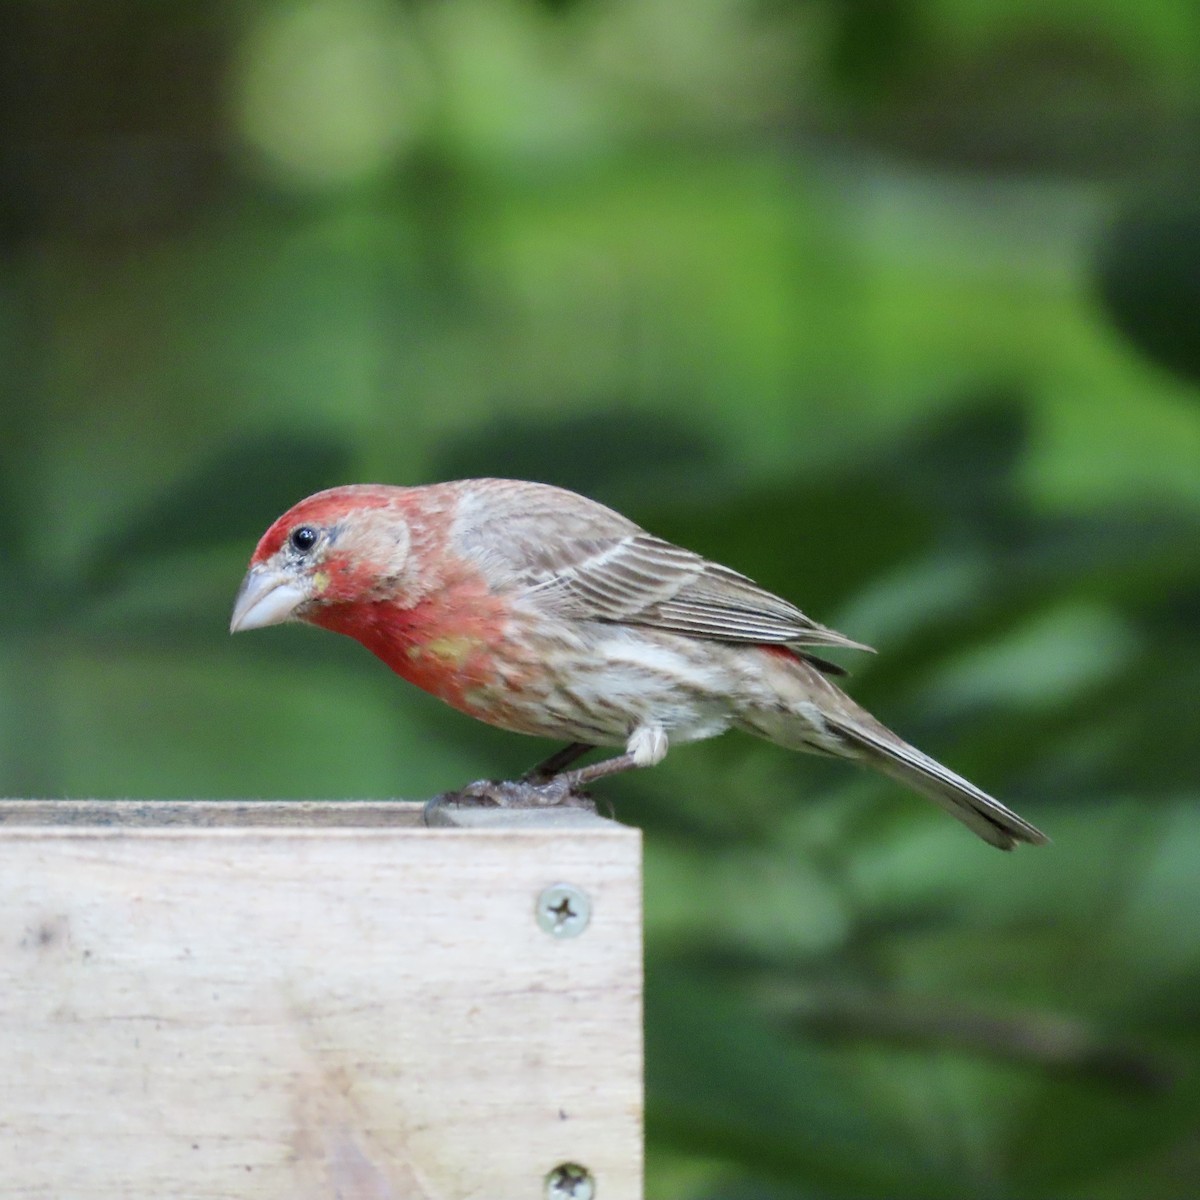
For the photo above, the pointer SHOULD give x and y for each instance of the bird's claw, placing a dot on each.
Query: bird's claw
(523, 793)
(514, 794)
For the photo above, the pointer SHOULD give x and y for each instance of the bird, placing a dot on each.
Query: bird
(543, 612)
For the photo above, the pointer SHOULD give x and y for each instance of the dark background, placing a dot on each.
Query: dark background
(893, 306)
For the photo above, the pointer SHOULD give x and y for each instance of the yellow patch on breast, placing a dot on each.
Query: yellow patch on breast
(452, 650)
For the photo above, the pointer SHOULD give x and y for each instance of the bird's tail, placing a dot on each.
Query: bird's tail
(876, 746)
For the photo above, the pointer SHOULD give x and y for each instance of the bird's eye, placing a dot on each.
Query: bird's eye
(303, 539)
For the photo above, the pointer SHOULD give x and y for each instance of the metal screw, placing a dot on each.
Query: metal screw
(563, 911)
(570, 1181)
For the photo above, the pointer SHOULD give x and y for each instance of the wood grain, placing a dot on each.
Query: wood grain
(312, 1001)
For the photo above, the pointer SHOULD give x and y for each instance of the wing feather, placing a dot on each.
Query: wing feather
(641, 580)
(576, 558)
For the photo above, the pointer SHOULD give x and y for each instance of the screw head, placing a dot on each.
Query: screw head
(570, 1181)
(563, 910)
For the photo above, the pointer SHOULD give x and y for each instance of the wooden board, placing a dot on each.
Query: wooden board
(295, 1001)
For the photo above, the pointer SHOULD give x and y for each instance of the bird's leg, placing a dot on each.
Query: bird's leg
(601, 770)
(561, 790)
(556, 763)
(647, 745)
(555, 792)
(543, 786)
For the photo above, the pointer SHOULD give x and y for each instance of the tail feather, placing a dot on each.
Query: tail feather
(979, 812)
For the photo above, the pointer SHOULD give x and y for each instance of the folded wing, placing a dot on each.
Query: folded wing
(575, 558)
(639, 579)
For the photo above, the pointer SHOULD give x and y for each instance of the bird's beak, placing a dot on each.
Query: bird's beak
(268, 596)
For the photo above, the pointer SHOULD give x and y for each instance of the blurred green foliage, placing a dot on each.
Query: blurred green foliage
(891, 305)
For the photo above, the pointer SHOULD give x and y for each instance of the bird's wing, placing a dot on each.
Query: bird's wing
(639, 579)
(575, 558)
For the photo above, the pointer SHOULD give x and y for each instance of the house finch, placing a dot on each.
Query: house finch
(535, 609)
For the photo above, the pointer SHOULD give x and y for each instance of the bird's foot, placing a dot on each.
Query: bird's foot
(523, 793)
(555, 792)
